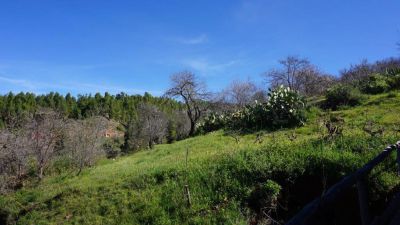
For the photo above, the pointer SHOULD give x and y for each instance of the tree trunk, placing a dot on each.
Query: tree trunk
(79, 172)
(40, 175)
(19, 174)
(192, 128)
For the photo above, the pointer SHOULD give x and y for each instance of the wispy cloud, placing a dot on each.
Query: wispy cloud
(204, 66)
(74, 87)
(43, 77)
(18, 82)
(92, 88)
(200, 39)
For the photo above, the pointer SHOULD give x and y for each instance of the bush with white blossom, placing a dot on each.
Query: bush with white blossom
(285, 108)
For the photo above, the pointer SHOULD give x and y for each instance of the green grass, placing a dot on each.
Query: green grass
(147, 187)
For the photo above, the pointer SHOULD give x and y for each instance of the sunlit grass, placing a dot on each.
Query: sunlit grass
(146, 187)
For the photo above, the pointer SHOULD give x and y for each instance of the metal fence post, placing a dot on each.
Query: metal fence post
(363, 200)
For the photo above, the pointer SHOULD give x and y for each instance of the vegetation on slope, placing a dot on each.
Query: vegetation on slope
(231, 182)
(120, 107)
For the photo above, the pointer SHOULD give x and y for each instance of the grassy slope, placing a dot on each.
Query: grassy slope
(147, 187)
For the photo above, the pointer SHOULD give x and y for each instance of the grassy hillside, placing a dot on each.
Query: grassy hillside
(230, 182)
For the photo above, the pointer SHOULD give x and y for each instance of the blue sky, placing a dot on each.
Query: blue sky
(88, 46)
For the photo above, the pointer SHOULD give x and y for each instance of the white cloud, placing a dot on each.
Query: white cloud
(204, 66)
(41, 77)
(92, 88)
(18, 82)
(79, 88)
(202, 38)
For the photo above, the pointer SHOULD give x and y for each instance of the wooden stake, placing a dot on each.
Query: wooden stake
(187, 196)
(186, 187)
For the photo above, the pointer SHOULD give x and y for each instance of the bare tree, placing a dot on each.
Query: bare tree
(300, 75)
(149, 128)
(292, 68)
(387, 66)
(260, 96)
(182, 124)
(154, 124)
(312, 82)
(357, 72)
(45, 130)
(220, 103)
(84, 139)
(240, 92)
(185, 85)
(14, 155)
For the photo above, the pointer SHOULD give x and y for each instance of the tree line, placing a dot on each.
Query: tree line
(120, 107)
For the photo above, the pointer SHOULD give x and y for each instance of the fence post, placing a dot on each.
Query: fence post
(186, 187)
(398, 157)
(363, 200)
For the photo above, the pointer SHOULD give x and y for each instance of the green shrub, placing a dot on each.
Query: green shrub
(171, 132)
(340, 95)
(112, 147)
(391, 95)
(212, 122)
(375, 84)
(251, 117)
(264, 195)
(393, 71)
(394, 81)
(272, 189)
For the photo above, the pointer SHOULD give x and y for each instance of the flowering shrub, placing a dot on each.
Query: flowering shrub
(285, 108)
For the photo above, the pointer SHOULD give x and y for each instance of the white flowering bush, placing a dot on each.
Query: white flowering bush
(285, 107)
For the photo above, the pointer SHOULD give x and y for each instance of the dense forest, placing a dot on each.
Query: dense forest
(121, 107)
